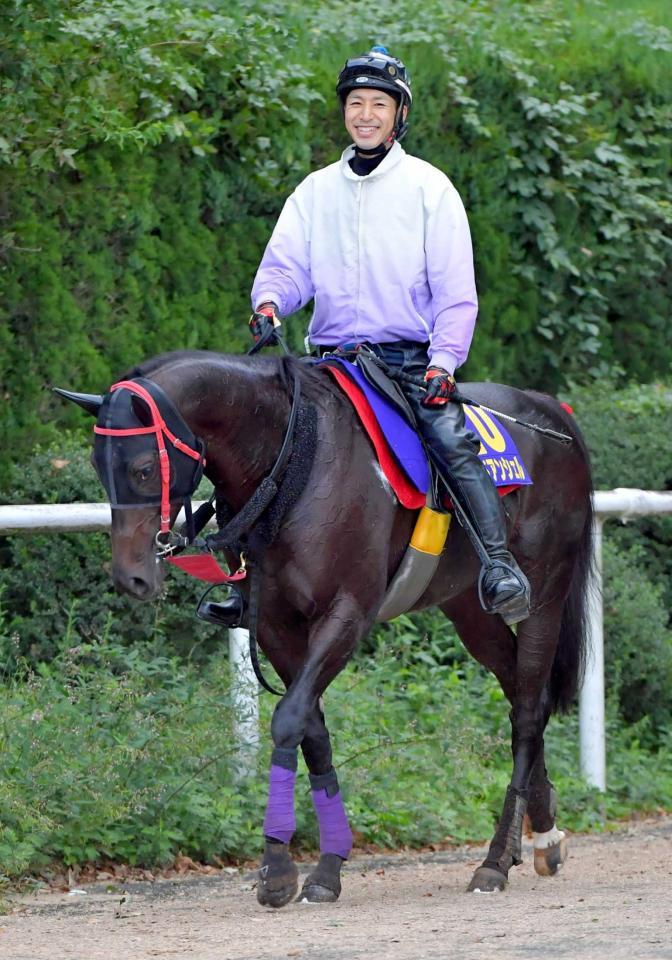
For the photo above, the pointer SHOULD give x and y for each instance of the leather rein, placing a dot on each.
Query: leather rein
(169, 543)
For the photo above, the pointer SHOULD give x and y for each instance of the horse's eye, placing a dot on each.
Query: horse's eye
(143, 476)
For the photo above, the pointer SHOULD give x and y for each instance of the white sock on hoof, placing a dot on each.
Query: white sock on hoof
(542, 841)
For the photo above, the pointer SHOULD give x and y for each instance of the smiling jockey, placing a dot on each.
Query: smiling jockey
(380, 241)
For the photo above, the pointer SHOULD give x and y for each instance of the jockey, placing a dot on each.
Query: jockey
(380, 241)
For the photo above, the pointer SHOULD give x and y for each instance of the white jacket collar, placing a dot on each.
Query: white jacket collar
(394, 156)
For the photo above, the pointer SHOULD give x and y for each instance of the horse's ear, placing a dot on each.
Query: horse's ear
(87, 401)
(142, 411)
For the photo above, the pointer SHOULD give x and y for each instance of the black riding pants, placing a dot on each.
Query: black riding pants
(453, 447)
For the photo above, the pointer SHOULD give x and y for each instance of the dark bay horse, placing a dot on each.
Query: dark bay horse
(326, 573)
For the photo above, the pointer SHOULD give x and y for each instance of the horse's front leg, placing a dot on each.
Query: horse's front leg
(331, 642)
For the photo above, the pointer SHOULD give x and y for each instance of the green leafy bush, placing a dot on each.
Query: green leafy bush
(638, 640)
(145, 156)
(116, 752)
(625, 426)
(111, 752)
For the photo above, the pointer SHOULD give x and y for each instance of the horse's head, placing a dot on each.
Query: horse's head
(149, 462)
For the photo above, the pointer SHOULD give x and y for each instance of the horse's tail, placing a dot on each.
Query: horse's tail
(570, 656)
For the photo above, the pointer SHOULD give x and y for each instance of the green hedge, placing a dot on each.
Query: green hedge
(111, 753)
(626, 428)
(147, 152)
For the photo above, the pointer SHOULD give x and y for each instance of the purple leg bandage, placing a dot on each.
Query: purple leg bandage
(335, 832)
(280, 822)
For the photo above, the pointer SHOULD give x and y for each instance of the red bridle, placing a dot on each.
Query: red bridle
(160, 430)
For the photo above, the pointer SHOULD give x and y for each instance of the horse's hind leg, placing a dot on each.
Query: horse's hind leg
(550, 844)
(521, 664)
(323, 884)
(536, 646)
(490, 641)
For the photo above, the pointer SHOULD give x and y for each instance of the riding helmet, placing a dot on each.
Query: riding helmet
(378, 71)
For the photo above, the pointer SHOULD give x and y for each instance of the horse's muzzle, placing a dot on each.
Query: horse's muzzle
(137, 582)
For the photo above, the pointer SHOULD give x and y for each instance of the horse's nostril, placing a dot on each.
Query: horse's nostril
(139, 587)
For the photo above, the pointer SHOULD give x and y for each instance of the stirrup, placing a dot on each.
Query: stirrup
(515, 607)
(228, 613)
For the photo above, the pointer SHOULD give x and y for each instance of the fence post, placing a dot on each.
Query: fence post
(591, 697)
(245, 699)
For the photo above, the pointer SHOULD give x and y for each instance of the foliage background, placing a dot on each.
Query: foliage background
(145, 151)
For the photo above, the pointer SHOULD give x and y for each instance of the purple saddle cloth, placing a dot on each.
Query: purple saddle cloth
(498, 451)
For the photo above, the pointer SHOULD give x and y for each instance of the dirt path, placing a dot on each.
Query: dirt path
(612, 901)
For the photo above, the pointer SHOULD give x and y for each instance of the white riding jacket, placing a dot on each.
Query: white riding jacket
(385, 257)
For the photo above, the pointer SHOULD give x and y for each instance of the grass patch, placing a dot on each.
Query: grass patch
(116, 754)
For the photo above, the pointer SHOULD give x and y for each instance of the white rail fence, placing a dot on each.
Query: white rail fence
(622, 503)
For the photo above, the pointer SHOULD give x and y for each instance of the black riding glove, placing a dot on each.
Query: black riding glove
(440, 387)
(264, 324)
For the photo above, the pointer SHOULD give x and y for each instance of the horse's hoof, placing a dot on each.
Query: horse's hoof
(487, 880)
(278, 876)
(548, 861)
(323, 885)
(316, 893)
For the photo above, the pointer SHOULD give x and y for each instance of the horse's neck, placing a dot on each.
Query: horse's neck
(240, 411)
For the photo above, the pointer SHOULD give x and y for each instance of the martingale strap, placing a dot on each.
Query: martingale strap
(204, 566)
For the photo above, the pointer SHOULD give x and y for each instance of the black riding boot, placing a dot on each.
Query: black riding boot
(503, 587)
(228, 613)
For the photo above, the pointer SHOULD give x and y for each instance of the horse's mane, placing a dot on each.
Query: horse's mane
(286, 366)
(153, 364)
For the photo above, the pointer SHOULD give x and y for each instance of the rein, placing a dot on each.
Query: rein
(247, 516)
(242, 522)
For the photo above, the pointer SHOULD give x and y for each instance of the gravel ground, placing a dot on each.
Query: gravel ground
(611, 901)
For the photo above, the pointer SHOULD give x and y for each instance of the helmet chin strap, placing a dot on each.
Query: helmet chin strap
(378, 151)
(400, 125)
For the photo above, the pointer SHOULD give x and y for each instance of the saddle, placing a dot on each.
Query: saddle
(388, 419)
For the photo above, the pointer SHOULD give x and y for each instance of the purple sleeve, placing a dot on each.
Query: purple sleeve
(450, 271)
(284, 272)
